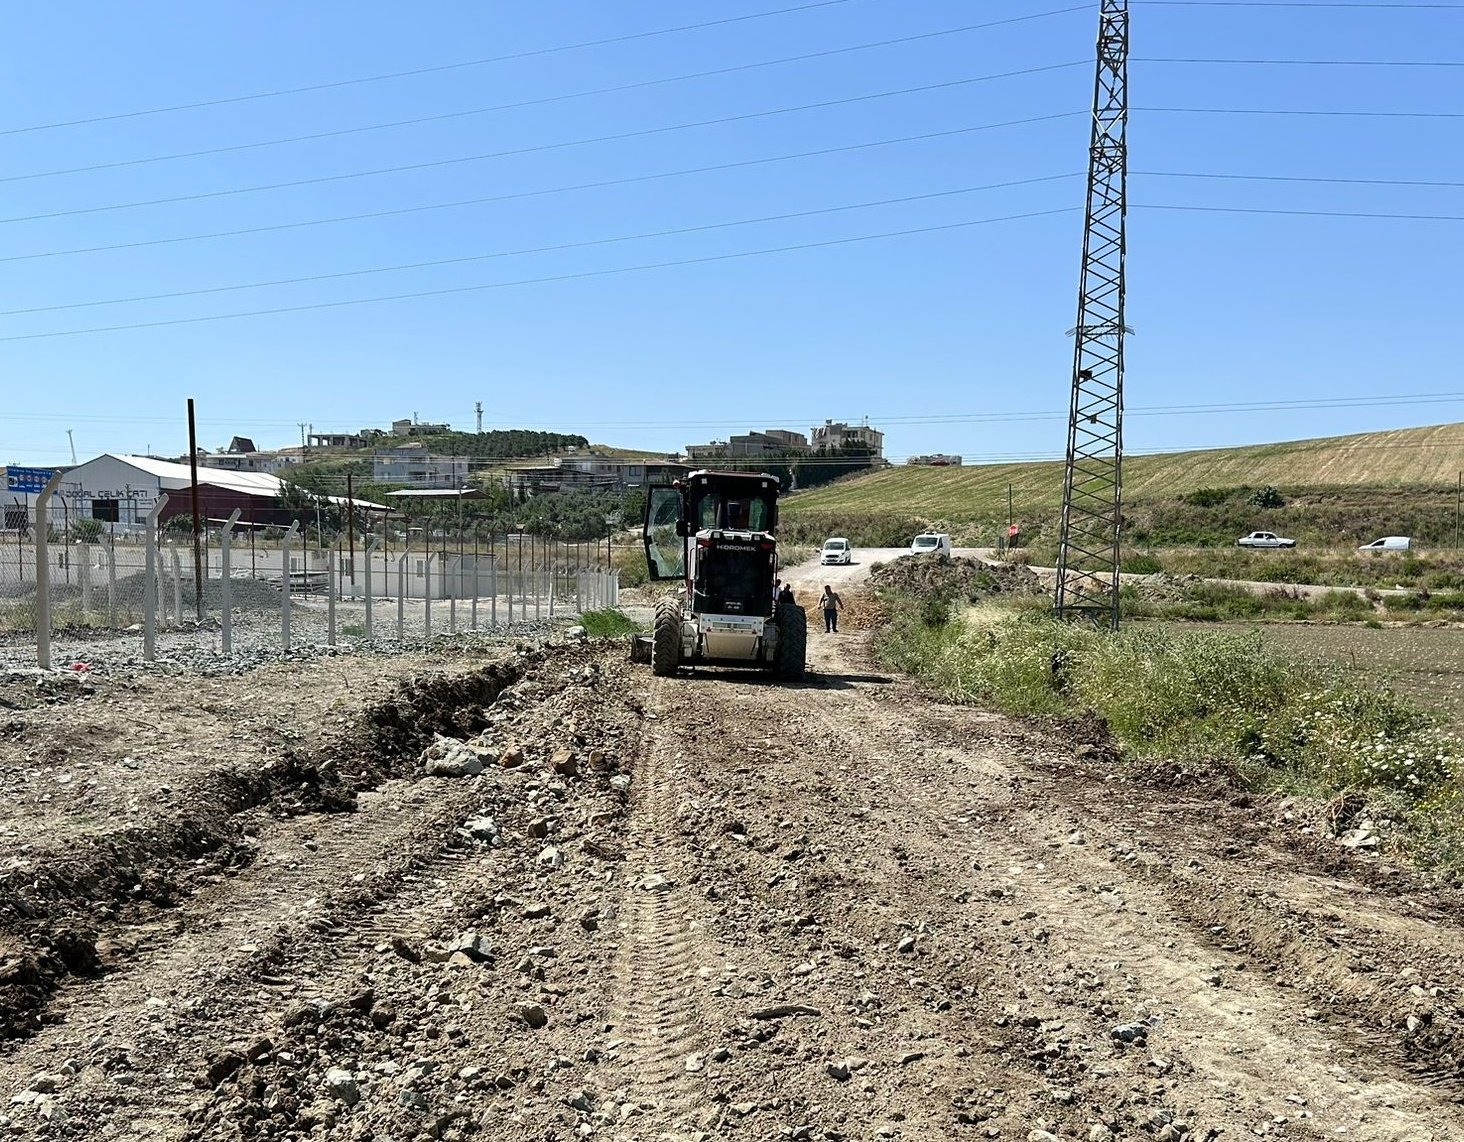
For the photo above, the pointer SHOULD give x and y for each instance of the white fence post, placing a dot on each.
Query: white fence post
(427, 594)
(285, 583)
(332, 581)
(452, 593)
(111, 581)
(473, 621)
(402, 596)
(493, 591)
(83, 577)
(150, 582)
(226, 581)
(371, 544)
(43, 572)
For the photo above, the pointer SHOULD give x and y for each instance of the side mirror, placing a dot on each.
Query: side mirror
(682, 528)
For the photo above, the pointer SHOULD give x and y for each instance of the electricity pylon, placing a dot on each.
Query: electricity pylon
(1092, 494)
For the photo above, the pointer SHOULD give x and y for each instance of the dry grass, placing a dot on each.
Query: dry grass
(1399, 458)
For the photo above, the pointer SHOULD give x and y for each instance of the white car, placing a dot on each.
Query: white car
(836, 550)
(1265, 539)
(931, 543)
(1388, 543)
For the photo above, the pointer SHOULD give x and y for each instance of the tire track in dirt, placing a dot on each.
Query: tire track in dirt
(654, 1012)
(208, 981)
(328, 903)
(1089, 911)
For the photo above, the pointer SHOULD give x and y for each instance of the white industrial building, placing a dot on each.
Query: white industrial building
(122, 490)
(832, 435)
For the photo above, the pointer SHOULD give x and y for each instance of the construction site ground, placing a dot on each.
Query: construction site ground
(696, 907)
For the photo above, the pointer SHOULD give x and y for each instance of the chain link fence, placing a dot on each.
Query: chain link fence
(149, 591)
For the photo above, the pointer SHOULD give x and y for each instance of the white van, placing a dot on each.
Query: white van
(931, 543)
(1388, 543)
(836, 550)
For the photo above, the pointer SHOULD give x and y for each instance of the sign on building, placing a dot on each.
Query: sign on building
(28, 480)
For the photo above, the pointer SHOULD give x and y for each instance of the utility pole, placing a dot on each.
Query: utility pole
(197, 523)
(304, 448)
(1458, 501)
(478, 408)
(1092, 494)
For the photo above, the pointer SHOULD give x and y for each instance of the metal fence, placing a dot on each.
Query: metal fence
(266, 590)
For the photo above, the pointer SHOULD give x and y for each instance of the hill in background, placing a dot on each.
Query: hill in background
(1350, 483)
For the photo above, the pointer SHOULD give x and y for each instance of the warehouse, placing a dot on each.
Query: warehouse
(120, 491)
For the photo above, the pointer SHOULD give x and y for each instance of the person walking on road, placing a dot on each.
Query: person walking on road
(831, 603)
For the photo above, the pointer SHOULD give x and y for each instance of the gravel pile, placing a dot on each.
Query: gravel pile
(947, 577)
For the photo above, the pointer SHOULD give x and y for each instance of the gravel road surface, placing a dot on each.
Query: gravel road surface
(687, 908)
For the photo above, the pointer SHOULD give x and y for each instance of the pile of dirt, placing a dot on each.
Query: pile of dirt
(947, 577)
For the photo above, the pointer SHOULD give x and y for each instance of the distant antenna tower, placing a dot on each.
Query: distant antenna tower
(478, 408)
(1092, 493)
(71, 442)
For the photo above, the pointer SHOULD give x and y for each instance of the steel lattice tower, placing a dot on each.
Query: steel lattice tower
(1092, 495)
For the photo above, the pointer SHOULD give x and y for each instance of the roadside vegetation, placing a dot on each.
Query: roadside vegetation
(608, 623)
(1229, 701)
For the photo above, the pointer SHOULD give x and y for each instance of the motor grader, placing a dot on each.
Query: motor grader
(714, 532)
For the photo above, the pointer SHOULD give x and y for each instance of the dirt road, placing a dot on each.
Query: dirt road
(716, 906)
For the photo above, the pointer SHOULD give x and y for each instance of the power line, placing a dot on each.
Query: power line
(581, 275)
(1303, 62)
(638, 134)
(1298, 178)
(435, 69)
(540, 102)
(1294, 4)
(1301, 213)
(515, 195)
(1296, 404)
(1300, 111)
(468, 258)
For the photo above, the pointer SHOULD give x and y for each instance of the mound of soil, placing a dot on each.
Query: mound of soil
(947, 577)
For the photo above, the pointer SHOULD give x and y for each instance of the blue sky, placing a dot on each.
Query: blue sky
(945, 339)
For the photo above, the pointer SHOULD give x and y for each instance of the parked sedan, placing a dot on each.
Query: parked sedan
(1265, 539)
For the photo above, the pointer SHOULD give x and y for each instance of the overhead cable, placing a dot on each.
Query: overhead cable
(523, 103)
(432, 70)
(558, 247)
(541, 147)
(579, 276)
(516, 195)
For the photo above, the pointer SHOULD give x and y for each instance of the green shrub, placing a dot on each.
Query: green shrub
(608, 623)
(1141, 564)
(1211, 497)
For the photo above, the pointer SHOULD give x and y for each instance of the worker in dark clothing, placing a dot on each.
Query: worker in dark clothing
(831, 603)
(786, 595)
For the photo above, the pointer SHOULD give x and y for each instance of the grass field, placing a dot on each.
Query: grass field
(1413, 457)
(1423, 663)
